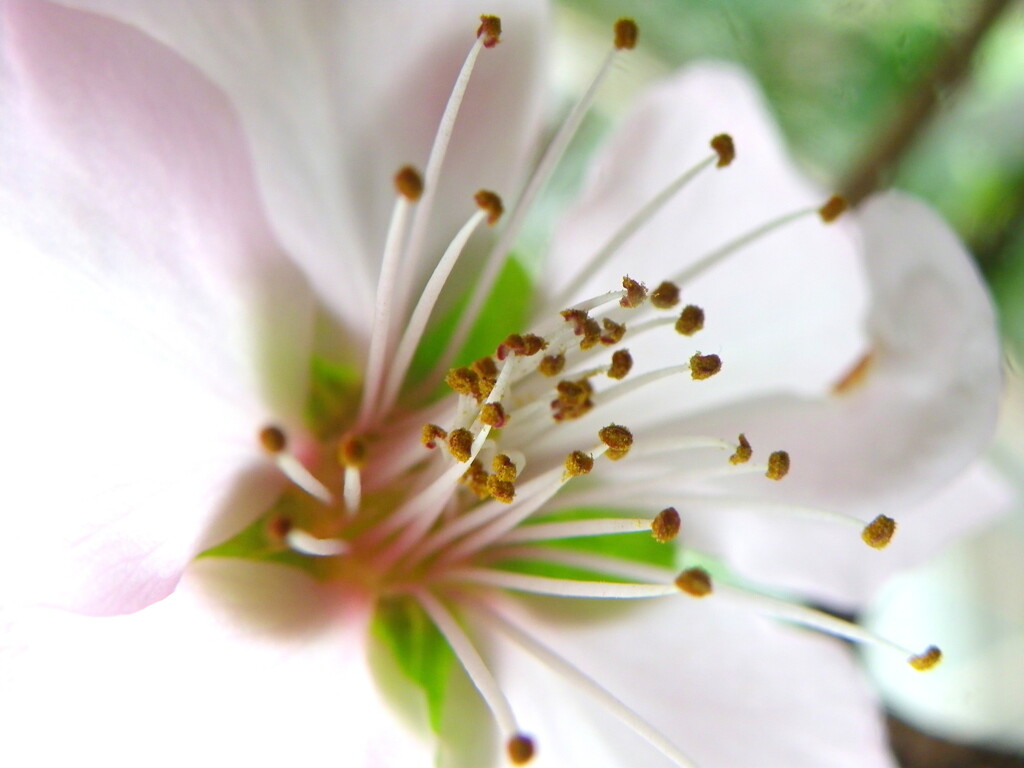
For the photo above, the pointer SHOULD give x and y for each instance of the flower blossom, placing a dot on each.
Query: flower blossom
(242, 524)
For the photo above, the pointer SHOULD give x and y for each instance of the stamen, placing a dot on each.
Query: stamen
(306, 543)
(665, 296)
(542, 585)
(541, 175)
(704, 366)
(695, 582)
(386, 295)
(778, 465)
(726, 149)
(275, 442)
(743, 451)
(833, 208)
(489, 31)
(432, 434)
(603, 526)
(578, 463)
(690, 321)
(587, 686)
(520, 749)
(878, 533)
(273, 439)
(352, 452)
(626, 33)
(552, 365)
(927, 660)
(622, 364)
(460, 443)
(636, 293)
(417, 323)
(618, 439)
(665, 525)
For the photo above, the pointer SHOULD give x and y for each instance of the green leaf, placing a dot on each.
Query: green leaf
(418, 647)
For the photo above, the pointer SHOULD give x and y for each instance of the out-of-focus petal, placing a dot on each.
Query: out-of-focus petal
(727, 687)
(152, 323)
(335, 97)
(245, 663)
(785, 312)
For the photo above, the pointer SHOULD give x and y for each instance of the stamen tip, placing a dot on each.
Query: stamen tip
(833, 208)
(551, 365)
(431, 434)
(278, 527)
(778, 465)
(618, 439)
(690, 320)
(493, 415)
(743, 451)
(273, 439)
(636, 293)
(409, 183)
(626, 33)
(521, 749)
(578, 463)
(665, 525)
(352, 451)
(491, 203)
(665, 296)
(704, 366)
(725, 148)
(695, 582)
(878, 533)
(927, 660)
(622, 363)
(489, 30)
(460, 443)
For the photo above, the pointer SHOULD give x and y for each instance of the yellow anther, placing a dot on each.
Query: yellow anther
(743, 451)
(464, 381)
(532, 344)
(927, 660)
(503, 491)
(626, 32)
(573, 400)
(723, 145)
(493, 415)
(273, 439)
(665, 525)
(704, 366)
(521, 749)
(778, 465)
(504, 468)
(613, 332)
(489, 30)
(490, 202)
(352, 451)
(834, 207)
(690, 320)
(409, 183)
(277, 528)
(618, 439)
(578, 318)
(552, 365)
(622, 363)
(878, 533)
(475, 478)
(695, 582)
(578, 463)
(460, 443)
(665, 296)
(636, 293)
(485, 368)
(431, 434)
(592, 335)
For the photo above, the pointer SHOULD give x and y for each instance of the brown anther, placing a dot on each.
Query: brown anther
(489, 30)
(552, 365)
(778, 465)
(704, 366)
(626, 32)
(878, 533)
(613, 332)
(622, 363)
(431, 434)
(927, 660)
(573, 400)
(833, 208)
(273, 439)
(578, 463)
(475, 478)
(278, 527)
(464, 381)
(578, 318)
(743, 451)
(636, 293)
(695, 582)
(665, 525)
(502, 490)
(690, 320)
(856, 376)
(493, 415)
(665, 296)
(352, 451)
(513, 344)
(723, 145)
(532, 344)
(591, 334)
(618, 439)
(485, 368)
(521, 749)
(460, 443)
(491, 203)
(409, 183)
(504, 468)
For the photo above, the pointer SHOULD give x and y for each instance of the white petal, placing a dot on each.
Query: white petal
(151, 324)
(246, 664)
(335, 97)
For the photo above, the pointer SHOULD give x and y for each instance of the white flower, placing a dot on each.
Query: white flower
(195, 204)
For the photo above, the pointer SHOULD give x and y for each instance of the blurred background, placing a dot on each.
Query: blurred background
(926, 96)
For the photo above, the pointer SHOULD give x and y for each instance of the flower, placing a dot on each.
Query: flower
(194, 196)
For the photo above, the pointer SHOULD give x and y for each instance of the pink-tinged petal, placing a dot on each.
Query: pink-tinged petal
(245, 664)
(335, 97)
(785, 312)
(153, 325)
(726, 687)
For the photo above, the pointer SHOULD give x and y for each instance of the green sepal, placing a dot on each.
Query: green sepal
(334, 391)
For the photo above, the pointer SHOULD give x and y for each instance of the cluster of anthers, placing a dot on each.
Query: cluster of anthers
(435, 502)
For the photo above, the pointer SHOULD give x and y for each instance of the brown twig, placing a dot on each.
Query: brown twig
(919, 106)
